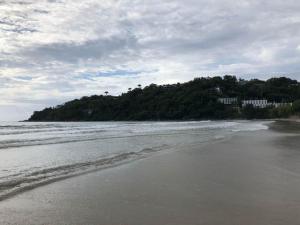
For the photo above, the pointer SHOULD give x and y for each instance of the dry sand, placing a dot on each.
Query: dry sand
(253, 178)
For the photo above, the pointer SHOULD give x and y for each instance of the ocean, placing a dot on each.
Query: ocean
(34, 154)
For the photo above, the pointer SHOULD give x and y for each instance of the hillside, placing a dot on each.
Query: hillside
(197, 99)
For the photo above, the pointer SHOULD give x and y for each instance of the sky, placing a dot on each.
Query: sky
(52, 51)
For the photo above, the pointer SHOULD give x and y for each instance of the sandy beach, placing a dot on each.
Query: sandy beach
(251, 178)
(175, 112)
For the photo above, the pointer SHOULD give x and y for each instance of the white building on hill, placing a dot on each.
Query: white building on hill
(263, 103)
(256, 103)
(228, 101)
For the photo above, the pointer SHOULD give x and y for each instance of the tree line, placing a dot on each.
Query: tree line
(193, 100)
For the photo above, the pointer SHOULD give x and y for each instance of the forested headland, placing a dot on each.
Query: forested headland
(194, 100)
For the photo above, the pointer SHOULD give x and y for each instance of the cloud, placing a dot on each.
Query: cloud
(56, 50)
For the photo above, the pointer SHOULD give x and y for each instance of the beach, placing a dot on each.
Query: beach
(249, 178)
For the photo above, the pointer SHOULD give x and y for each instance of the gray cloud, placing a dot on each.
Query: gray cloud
(48, 48)
(72, 52)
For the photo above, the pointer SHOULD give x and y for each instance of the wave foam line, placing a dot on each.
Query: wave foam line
(42, 177)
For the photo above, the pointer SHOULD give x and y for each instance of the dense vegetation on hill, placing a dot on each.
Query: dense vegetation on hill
(197, 99)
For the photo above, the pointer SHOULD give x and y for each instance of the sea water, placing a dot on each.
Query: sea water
(32, 154)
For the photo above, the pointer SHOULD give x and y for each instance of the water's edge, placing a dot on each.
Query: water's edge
(13, 184)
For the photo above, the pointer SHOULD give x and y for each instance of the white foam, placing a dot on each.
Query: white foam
(251, 126)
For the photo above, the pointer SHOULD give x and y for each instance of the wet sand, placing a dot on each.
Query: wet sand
(252, 178)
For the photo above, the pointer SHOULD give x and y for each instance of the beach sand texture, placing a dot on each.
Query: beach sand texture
(252, 178)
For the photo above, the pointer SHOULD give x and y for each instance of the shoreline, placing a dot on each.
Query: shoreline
(250, 178)
(137, 157)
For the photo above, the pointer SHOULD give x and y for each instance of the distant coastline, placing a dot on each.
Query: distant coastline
(211, 98)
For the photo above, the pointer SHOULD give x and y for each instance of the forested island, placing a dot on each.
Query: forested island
(195, 100)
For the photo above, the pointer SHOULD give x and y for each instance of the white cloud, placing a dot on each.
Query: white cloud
(55, 50)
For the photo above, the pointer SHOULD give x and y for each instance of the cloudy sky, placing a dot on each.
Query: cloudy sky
(56, 50)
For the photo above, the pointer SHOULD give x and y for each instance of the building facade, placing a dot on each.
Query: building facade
(256, 103)
(228, 101)
(262, 103)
